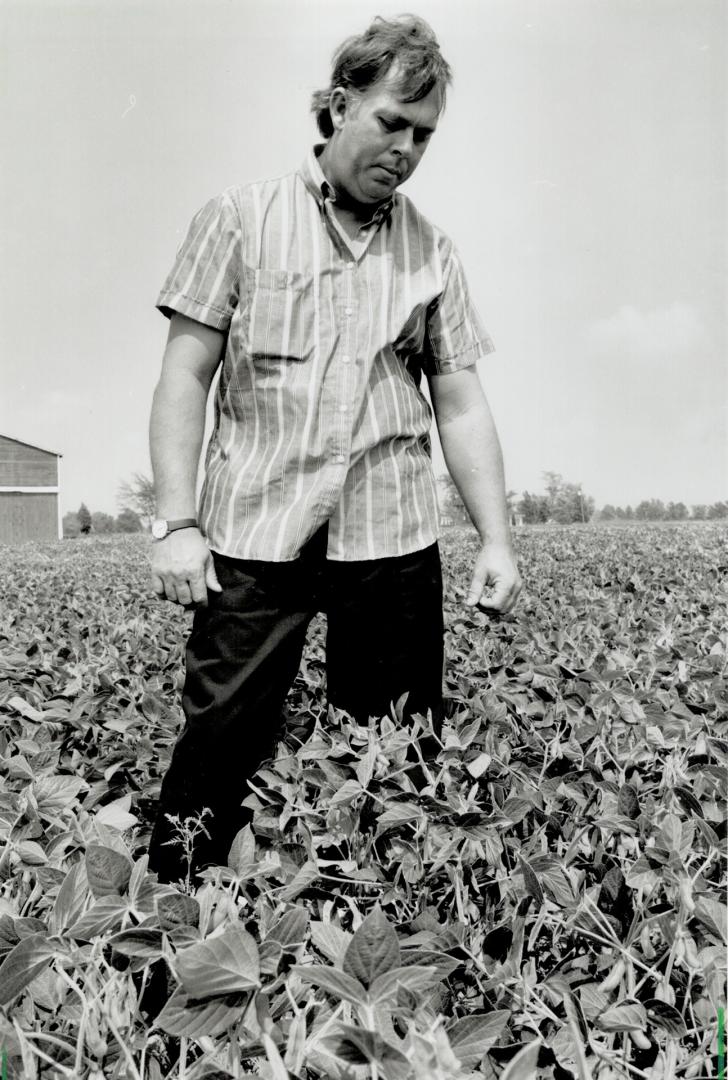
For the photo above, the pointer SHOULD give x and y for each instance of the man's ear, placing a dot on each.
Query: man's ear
(341, 105)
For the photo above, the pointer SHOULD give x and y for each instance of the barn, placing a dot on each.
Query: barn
(30, 507)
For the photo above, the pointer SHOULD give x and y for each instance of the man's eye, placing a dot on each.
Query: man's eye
(388, 125)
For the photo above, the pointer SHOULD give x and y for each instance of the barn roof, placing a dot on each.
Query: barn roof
(33, 446)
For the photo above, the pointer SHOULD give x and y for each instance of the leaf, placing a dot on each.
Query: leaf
(70, 899)
(472, 1036)
(626, 1017)
(373, 950)
(31, 854)
(101, 917)
(533, 886)
(305, 877)
(331, 940)
(714, 915)
(21, 965)
(177, 909)
(138, 941)
(54, 793)
(183, 1015)
(116, 814)
(335, 982)
(220, 965)
(107, 871)
(663, 1015)
(523, 1065)
(398, 814)
(413, 977)
(688, 801)
(291, 928)
(479, 765)
(358, 1046)
(628, 802)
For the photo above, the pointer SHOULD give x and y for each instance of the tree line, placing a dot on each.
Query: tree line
(562, 502)
(136, 510)
(565, 503)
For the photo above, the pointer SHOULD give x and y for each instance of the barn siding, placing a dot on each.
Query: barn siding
(26, 466)
(27, 517)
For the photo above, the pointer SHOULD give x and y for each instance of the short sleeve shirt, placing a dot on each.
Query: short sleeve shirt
(319, 410)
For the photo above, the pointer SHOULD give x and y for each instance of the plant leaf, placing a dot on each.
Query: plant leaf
(373, 950)
(472, 1036)
(333, 981)
(185, 1015)
(21, 965)
(220, 965)
(107, 871)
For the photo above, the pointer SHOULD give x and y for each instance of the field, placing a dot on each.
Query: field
(545, 899)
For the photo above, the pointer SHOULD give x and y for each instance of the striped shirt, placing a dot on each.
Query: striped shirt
(319, 412)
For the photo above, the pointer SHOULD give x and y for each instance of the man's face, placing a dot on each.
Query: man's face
(378, 140)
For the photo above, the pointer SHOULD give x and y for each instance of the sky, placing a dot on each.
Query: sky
(580, 168)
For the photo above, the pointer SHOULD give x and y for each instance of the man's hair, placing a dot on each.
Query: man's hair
(405, 41)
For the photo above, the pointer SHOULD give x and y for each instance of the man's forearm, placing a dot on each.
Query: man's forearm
(176, 429)
(474, 460)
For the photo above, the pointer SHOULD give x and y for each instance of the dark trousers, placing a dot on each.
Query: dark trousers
(384, 638)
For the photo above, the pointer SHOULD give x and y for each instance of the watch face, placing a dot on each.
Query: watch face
(159, 530)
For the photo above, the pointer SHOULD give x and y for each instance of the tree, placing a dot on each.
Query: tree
(718, 511)
(128, 522)
(700, 512)
(71, 528)
(138, 496)
(451, 505)
(534, 508)
(102, 523)
(676, 511)
(84, 519)
(651, 510)
(608, 513)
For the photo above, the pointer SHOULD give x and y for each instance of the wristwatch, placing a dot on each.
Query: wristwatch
(162, 528)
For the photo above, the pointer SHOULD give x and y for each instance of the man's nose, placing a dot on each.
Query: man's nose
(404, 142)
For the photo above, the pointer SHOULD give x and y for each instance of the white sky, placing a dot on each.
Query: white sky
(580, 167)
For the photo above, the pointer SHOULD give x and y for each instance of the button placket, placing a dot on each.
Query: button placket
(347, 371)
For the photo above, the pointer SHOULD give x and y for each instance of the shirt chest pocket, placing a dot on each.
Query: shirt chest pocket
(279, 317)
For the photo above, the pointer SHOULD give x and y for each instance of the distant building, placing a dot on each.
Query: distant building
(29, 492)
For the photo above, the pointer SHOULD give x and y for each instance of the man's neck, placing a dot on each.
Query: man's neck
(351, 214)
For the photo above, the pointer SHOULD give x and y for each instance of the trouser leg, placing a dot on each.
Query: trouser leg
(242, 656)
(385, 634)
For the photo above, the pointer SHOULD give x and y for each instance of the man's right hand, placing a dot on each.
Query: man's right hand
(183, 568)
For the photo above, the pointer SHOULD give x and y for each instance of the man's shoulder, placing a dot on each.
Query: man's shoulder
(428, 230)
(264, 184)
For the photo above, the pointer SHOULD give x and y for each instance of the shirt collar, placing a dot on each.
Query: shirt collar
(322, 191)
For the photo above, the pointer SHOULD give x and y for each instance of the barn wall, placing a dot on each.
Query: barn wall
(26, 466)
(27, 517)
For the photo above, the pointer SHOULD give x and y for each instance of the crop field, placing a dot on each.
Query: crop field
(543, 898)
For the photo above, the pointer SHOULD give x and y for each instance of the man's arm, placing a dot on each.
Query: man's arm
(473, 457)
(182, 566)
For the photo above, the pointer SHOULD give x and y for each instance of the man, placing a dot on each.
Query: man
(326, 296)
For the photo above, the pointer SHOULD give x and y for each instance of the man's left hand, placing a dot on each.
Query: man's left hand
(495, 567)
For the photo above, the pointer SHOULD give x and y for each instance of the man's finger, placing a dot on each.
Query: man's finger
(170, 591)
(198, 589)
(184, 596)
(211, 576)
(158, 585)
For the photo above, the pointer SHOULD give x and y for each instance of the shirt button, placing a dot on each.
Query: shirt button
(350, 266)
(339, 459)
(346, 359)
(347, 311)
(343, 408)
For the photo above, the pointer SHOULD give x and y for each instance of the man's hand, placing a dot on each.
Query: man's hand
(183, 569)
(495, 566)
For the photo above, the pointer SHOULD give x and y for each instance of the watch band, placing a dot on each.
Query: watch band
(181, 523)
